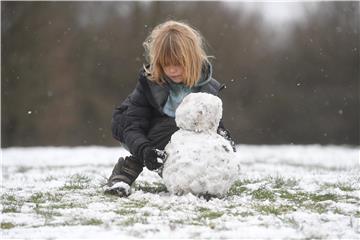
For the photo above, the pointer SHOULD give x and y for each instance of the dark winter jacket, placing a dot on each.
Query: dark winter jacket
(132, 119)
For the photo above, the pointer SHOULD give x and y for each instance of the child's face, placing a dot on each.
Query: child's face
(175, 73)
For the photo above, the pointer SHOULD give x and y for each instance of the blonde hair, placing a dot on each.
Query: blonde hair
(175, 43)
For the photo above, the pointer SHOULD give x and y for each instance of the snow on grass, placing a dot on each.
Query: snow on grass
(282, 192)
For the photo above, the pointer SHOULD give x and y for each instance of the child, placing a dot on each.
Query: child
(145, 121)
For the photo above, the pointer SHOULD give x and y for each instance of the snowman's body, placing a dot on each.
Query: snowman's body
(199, 160)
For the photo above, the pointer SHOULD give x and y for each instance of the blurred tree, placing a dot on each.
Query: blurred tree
(65, 65)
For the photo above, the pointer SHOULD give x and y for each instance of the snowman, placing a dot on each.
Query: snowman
(199, 161)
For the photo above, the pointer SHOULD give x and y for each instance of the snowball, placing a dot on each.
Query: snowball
(199, 112)
(200, 163)
(199, 160)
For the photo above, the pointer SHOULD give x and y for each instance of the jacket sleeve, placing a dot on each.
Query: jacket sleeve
(130, 121)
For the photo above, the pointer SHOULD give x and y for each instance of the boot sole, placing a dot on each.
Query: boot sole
(116, 192)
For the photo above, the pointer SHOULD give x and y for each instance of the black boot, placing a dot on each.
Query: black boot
(125, 171)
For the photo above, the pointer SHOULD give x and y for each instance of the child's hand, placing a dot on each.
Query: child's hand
(162, 155)
(150, 158)
(226, 134)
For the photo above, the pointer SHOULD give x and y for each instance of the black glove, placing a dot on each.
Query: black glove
(226, 134)
(150, 158)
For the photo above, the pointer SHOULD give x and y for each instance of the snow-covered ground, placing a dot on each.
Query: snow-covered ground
(282, 192)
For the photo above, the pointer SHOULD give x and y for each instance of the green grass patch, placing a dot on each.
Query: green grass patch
(42, 197)
(298, 197)
(263, 194)
(125, 211)
(76, 182)
(231, 206)
(50, 178)
(246, 214)
(315, 202)
(161, 208)
(241, 213)
(323, 197)
(351, 199)
(8, 198)
(11, 204)
(317, 207)
(291, 221)
(134, 204)
(339, 211)
(177, 222)
(146, 214)
(206, 213)
(130, 221)
(10, 209)
(357, 214)
(239, 186)
(279, 182)
(301, 197)
(154, 187)
(133, 220)
(92, 221)
(273, 209)
(237, 189)
(46, 213)
(346, 187)
(37, 198)
(6, 225)
(67, 205)
(78, 221)
(23, 169)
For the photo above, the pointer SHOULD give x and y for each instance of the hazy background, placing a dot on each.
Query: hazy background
(291, 69)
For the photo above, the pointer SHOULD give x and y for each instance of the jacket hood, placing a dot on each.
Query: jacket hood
(206, 74)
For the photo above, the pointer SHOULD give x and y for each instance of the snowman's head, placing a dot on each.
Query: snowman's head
(199, 112)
